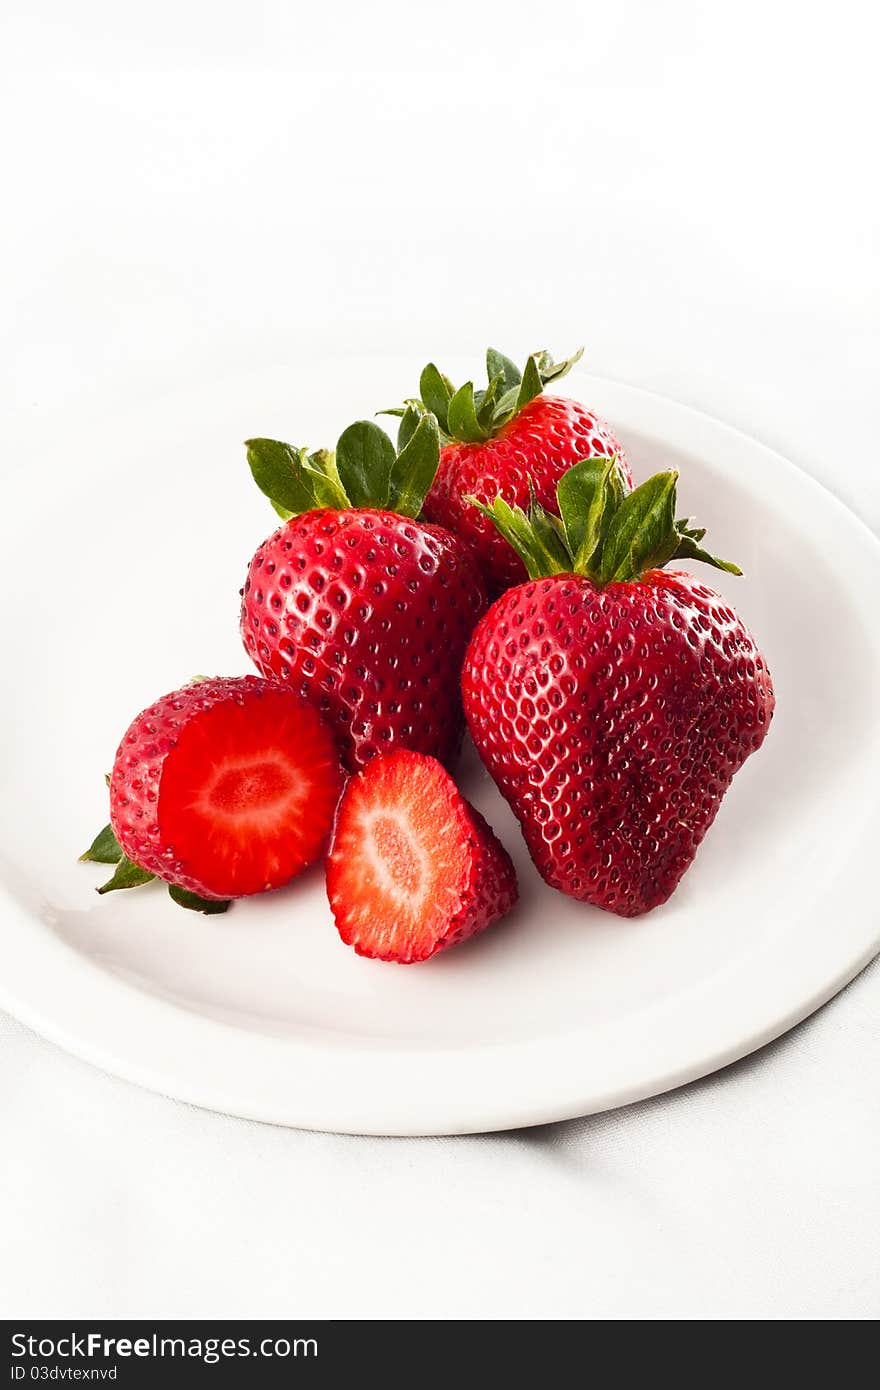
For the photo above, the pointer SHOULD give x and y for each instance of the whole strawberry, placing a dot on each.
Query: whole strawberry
(509, 441)
(223, 788)
(611, 700)
(356, 605)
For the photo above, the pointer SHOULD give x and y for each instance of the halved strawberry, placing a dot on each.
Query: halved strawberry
(224, 788)
(413, 867)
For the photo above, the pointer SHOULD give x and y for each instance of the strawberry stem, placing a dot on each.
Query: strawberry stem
(607, 535)
(471, 416)
(365, 470)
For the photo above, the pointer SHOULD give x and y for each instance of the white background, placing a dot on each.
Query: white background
(192, 191)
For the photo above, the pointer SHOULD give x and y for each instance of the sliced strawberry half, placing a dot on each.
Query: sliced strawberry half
(226, 787)
(413, 867)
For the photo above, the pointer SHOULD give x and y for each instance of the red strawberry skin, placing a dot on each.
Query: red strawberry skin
(225, 787)
(538, 444)
(413, 868)
(613, 721)
(367, 614)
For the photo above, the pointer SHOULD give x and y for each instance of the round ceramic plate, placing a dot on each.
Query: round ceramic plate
(127, 542)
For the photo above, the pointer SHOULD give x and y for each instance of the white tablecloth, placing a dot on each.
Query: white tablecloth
(196, 189)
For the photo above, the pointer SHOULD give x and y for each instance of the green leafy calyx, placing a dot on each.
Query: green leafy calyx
(106, 849)
(127, 874)
(602, 531)
(471, 415)
(209, 906)
(365, 470)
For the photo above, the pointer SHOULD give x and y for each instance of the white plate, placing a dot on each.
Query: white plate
(127, 544)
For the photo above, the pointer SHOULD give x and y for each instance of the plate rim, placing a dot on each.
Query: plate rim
(161, 1045)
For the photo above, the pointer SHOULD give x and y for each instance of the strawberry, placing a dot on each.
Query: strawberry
(611, 700)
(508, 440)
(413, 868)
(359, 607)
(224, 788)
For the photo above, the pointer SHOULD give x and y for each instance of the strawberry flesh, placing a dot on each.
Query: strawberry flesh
(226, 787)
(413, 868)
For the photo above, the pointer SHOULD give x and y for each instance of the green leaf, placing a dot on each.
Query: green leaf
(127, 875)
(513, 524)
(694, 533)
(552, 371)
(614, 495)
(319, 469)
(192, 901)
(484, 402)
(436, 392)
(505, 407)
(540, 370)
(530, 386)
(551, 548)
(462, 416)
(414, 468)
(364, 459)
(582, 495)
(531, 545)
(275, 469)
(409, 423)
(499, 365)
(323, 461)
(641, 533)
(293, 480)
(104, 849)
(688, 549)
